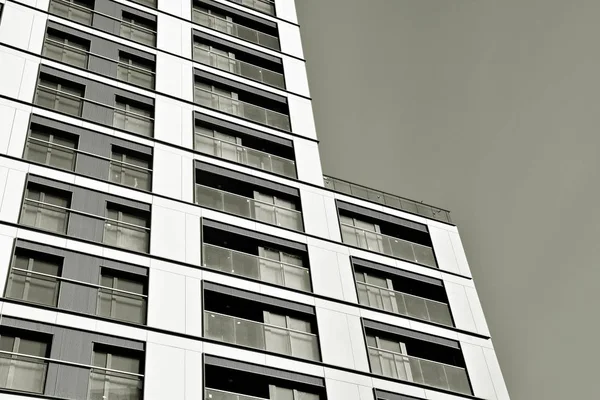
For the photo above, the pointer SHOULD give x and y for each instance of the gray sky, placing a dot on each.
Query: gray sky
(491, 109)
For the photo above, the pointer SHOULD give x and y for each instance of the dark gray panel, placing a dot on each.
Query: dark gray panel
(381, 216)
(237, 85)
(247, 178)
(202, 36)
(115, 10)
(241, 129)
(396, 271)
(256, 235)
(266, 371)
(410, 333)
(235, 11)
(383, 395)
(71, 382)
(259, 298)
(78, 298)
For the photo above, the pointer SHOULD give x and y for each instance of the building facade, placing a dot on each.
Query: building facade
(166, 231)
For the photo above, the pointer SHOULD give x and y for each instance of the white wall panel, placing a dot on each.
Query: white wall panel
(459, 305)
(169, 35)
(193, 375)
(286, 9)
(496, 374)
(324, 271)
(289, 39)
(333, 221)
(6, 244)
(11, 71)
(167, 174)
(13, 195)
(192, 240)
(166, 301)
(174, 76)
(459, 253)
(225, 351)
(167, 236)
(341, 390)
(308, 161)
(180, 8)
(335, 338)
(477, 311)
(38, 31)
(7, 117)
(17, 23)
(301, 117)
(396, 387)
(477, 369)
(313, 212)
(357, 338)
(295, 73)
(165, 373)
(168, 120)
(347, 278)
(29, 80)
(442, 246)
(193, 307)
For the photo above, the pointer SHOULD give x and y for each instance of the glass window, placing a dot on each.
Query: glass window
(46, 210)
(211, 96)
(218, 144)
(17, 370)
(63, 96)
(122, 297)
(33, 278)
(277, 211)
(52, 149)
(281, 393)
(126, 229)
(115, 377)
(133, 117)
(74, 10)
(135, 70)
(138, 29)
(289, 335)
(64, 48)
(287, 270)
(129, 169)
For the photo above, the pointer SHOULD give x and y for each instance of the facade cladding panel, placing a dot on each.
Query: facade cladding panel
(261, 281)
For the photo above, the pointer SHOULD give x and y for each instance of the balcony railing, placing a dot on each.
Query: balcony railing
(404, 304)
(215, 394)
(233, 29)
(250, 208)
(22, 372)
(80, 58)
(418, 370)
(238, 67)
(243, 332)
(119, 171)
(265, 6)
(106, 385)
(390, 200)
(245, 155)
(241, 109)
(388, 245)
(55, 218)
(255, 267)
(122, 119)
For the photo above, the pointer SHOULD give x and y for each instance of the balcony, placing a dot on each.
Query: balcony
(238, 67)
(245, 155)
(243, 332)
(250, 208)
(265, 6)
(388, 245)
(229, 105)
(110, 384)
(390, 200)
(404, 304)
(240, 31)
(22, 372)
(418, 370)
(255, 267)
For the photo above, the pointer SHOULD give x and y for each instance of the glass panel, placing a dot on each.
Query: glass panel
(122, 306)
(125, 235)
(264, 6)
(69, 53)
(133, 119)
(72, 10)
(123, 170)
(45, 216)
(22, 373)
(59, 98)
(134, 72)
(439, 313)
(234, 330)
(135, 31)
(113, 386)
(55, 151)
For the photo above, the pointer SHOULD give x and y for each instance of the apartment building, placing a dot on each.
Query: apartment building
(166, 231)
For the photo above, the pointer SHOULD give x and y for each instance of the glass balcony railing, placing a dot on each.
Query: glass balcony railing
(107, 384)
(390, 200)
(241, 109)
(388, 245)
(215, 394)
(249, 208)
(71, 11)
(404, 304)
(22, 372)
(265, 6)
(260, 268)
(245, 155)
(418, 370)
(243, 332)
(233, 29)
(241, 68)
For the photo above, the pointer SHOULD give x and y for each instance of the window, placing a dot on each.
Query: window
(135, 70)
(74, 10)
(52, 149)
(18, 370)
(276, 211)
(64, 48)
(147, 3)
(133, 117)
(121, 297)
(64, 97)
(288, 335)
(138, 29)
(45, 209)
(218, 144)
(213, 19)
(265, 6)
(210, 55)
(129, 169)
(282, 393)
(221, 99)
(285, 269)
(126, 229)
(116, 375)
(34, 278)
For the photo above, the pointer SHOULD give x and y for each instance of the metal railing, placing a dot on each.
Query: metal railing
(84, 15)
(233, 29)
(245, 155)
(261, 336)
(241, 109)
(388, 245)
(256, 267)
(22, 372)
(265, 6)
(250, 208)
(390, 200)
(238, 67)
(122, 119)
(419, 370)
(125, 72)
(215, 394)
(128, 174)
(404, 303)
(116, 233)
